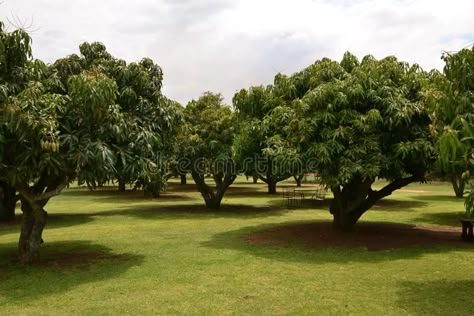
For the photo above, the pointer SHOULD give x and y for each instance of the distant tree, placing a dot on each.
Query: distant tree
(455, 114)
(205, 143)
(261, 145)
(450, 113)
(361, 122)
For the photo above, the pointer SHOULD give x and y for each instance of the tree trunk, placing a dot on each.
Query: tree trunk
(458, 185)
(121, 185)
(7, 202)
(213, 199)
(183, 179)
(343, 220)
(353, 199)
(298, 179)
(272, 187)
(32, 225)
(255, 179)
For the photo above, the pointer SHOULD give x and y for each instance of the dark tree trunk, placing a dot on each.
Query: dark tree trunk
(121, 185)
(272, 181)
(213, 198)
(7, 202)
(458, 185)
(255, 179)
(272, 187)
(299, 179)
(183, 179)
(352, 200)
(32, 225)
(343, 220)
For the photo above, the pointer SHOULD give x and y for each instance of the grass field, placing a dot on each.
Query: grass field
(107, 253)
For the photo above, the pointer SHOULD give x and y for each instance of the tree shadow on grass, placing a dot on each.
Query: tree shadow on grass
(385, 205)
(316, 242)
(389, 205)
(130, 196)
(438, 198)
(439, 297)
(151, 212)
(61, 266)
(174, 211)
(446, 218)
(54, 220)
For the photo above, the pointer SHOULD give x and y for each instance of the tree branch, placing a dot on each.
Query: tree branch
(395, 185)
(32, 197)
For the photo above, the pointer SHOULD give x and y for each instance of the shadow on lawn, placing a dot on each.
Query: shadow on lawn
(438, 198)
(151, 212)
(112, 195)
(315, 242)
(447, 218)
(61, 266)
(440, 297)
(385, 205)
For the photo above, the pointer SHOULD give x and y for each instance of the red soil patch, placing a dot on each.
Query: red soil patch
(372, 236)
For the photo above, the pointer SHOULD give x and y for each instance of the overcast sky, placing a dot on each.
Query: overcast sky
(225, 45)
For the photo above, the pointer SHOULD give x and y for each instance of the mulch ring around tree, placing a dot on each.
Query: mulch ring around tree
(372, 236)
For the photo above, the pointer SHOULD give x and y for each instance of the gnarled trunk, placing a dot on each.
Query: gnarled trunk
(353, 199)
(33, 200)
(183, 179)
(32, 225)
(458, 185)
(213, 198)
(7, 202)
(255, 179)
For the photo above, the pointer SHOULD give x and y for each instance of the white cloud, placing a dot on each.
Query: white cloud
(222, 46)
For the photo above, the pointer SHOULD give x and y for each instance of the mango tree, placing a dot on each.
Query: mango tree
(261, 146)
(455, 111)
(361, 122)
(15, 53)
(205, 146)
(150, 117)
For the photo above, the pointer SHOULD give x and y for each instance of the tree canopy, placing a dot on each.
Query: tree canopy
(454, 109)
(205, 146)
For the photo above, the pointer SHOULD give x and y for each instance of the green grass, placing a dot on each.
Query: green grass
(113, 254)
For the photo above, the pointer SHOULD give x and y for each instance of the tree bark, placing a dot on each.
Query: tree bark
(183, 179)
(32, 225)
(7, 202)
(33, 199)
(458, 185)
(353, 199)
(213, 198)
(255, 179)
(272, 187)
(121, 185)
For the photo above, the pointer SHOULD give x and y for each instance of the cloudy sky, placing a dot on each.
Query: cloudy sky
(225, 45)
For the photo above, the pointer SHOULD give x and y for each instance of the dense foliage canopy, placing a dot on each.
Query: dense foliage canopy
(453, 102)
(95, 119)
(205, 146)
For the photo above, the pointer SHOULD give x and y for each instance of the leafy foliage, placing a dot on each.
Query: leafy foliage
(205, 145)
(454, 113)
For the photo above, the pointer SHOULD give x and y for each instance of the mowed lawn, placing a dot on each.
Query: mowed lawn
(107, 253)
